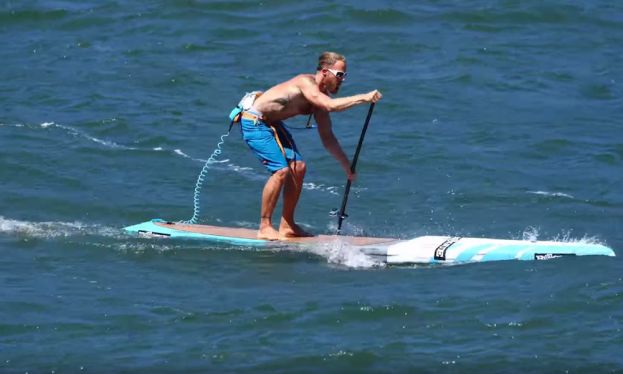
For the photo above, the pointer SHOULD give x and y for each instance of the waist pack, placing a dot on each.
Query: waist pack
(245, 104)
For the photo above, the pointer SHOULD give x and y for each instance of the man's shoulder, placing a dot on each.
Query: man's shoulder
(304, 78)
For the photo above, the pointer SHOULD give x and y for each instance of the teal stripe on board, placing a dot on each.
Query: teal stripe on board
(467, 254)
(512, 252)
(151, 229)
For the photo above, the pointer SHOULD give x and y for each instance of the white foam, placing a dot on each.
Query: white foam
(337, 251)
(552, 194)
(566, 237)
(340, 252)
(531, 234)
(141, 247)
(320, 187)
(179, 152)
(107, 143)
(220, 162)
(51, 229)
(237, 168)
(38, 229)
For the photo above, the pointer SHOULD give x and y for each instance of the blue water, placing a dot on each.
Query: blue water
(499, 119)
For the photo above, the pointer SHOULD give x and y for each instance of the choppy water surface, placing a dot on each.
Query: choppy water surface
(499, 119)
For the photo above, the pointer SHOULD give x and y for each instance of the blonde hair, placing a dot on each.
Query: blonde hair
(327, 59)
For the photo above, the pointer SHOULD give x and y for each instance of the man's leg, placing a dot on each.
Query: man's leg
(270, 195)
(291, 194)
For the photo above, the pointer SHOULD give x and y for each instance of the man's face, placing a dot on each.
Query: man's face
(332, 82)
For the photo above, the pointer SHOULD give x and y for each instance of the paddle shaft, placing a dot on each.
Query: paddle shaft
(342, 213)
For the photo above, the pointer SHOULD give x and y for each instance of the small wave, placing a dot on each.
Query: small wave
(110, 144)
(77, 132)
(245, 171)
(552, 194)
(16, 16)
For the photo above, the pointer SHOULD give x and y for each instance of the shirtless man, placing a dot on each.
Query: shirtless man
(264, 133)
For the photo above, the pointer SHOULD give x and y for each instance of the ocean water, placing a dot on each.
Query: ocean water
(500, 119)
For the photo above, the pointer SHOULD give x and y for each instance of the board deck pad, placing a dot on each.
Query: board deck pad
(251, 235)
(420, 250)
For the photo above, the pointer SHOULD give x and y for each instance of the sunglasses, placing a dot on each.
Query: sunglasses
(338, 74)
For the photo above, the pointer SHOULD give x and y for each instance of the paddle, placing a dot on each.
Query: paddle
(342, 213)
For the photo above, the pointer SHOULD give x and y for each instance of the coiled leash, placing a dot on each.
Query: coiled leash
(202, 175)
(234, 117)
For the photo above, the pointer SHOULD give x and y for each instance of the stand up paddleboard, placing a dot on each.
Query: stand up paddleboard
(421, 250)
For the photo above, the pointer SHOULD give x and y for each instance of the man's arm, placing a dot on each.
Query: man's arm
(325, 130)
(328, 104)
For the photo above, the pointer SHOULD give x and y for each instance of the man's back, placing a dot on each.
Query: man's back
(285, 99)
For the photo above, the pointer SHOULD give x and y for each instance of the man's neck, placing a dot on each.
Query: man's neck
(319, 78)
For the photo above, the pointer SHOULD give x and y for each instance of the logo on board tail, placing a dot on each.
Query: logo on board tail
(440, 252)
(151, 234)
(549, 256)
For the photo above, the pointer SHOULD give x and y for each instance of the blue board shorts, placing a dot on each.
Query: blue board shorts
(262, 140)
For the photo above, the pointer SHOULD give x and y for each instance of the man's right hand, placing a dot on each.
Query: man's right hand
(373, 96)
(351, 176)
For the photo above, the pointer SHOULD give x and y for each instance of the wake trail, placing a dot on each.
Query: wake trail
(338, 252)
(220, 165)
(56, 229)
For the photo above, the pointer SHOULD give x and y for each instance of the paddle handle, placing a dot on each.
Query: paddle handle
(342, 213)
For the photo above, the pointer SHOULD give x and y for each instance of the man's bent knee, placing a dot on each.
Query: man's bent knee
(281, 173)
(298, 167)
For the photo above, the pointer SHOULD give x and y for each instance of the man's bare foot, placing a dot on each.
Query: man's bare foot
(287, 230)
(268, 233)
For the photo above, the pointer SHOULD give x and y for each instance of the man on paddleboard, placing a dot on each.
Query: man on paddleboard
(264, 132)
